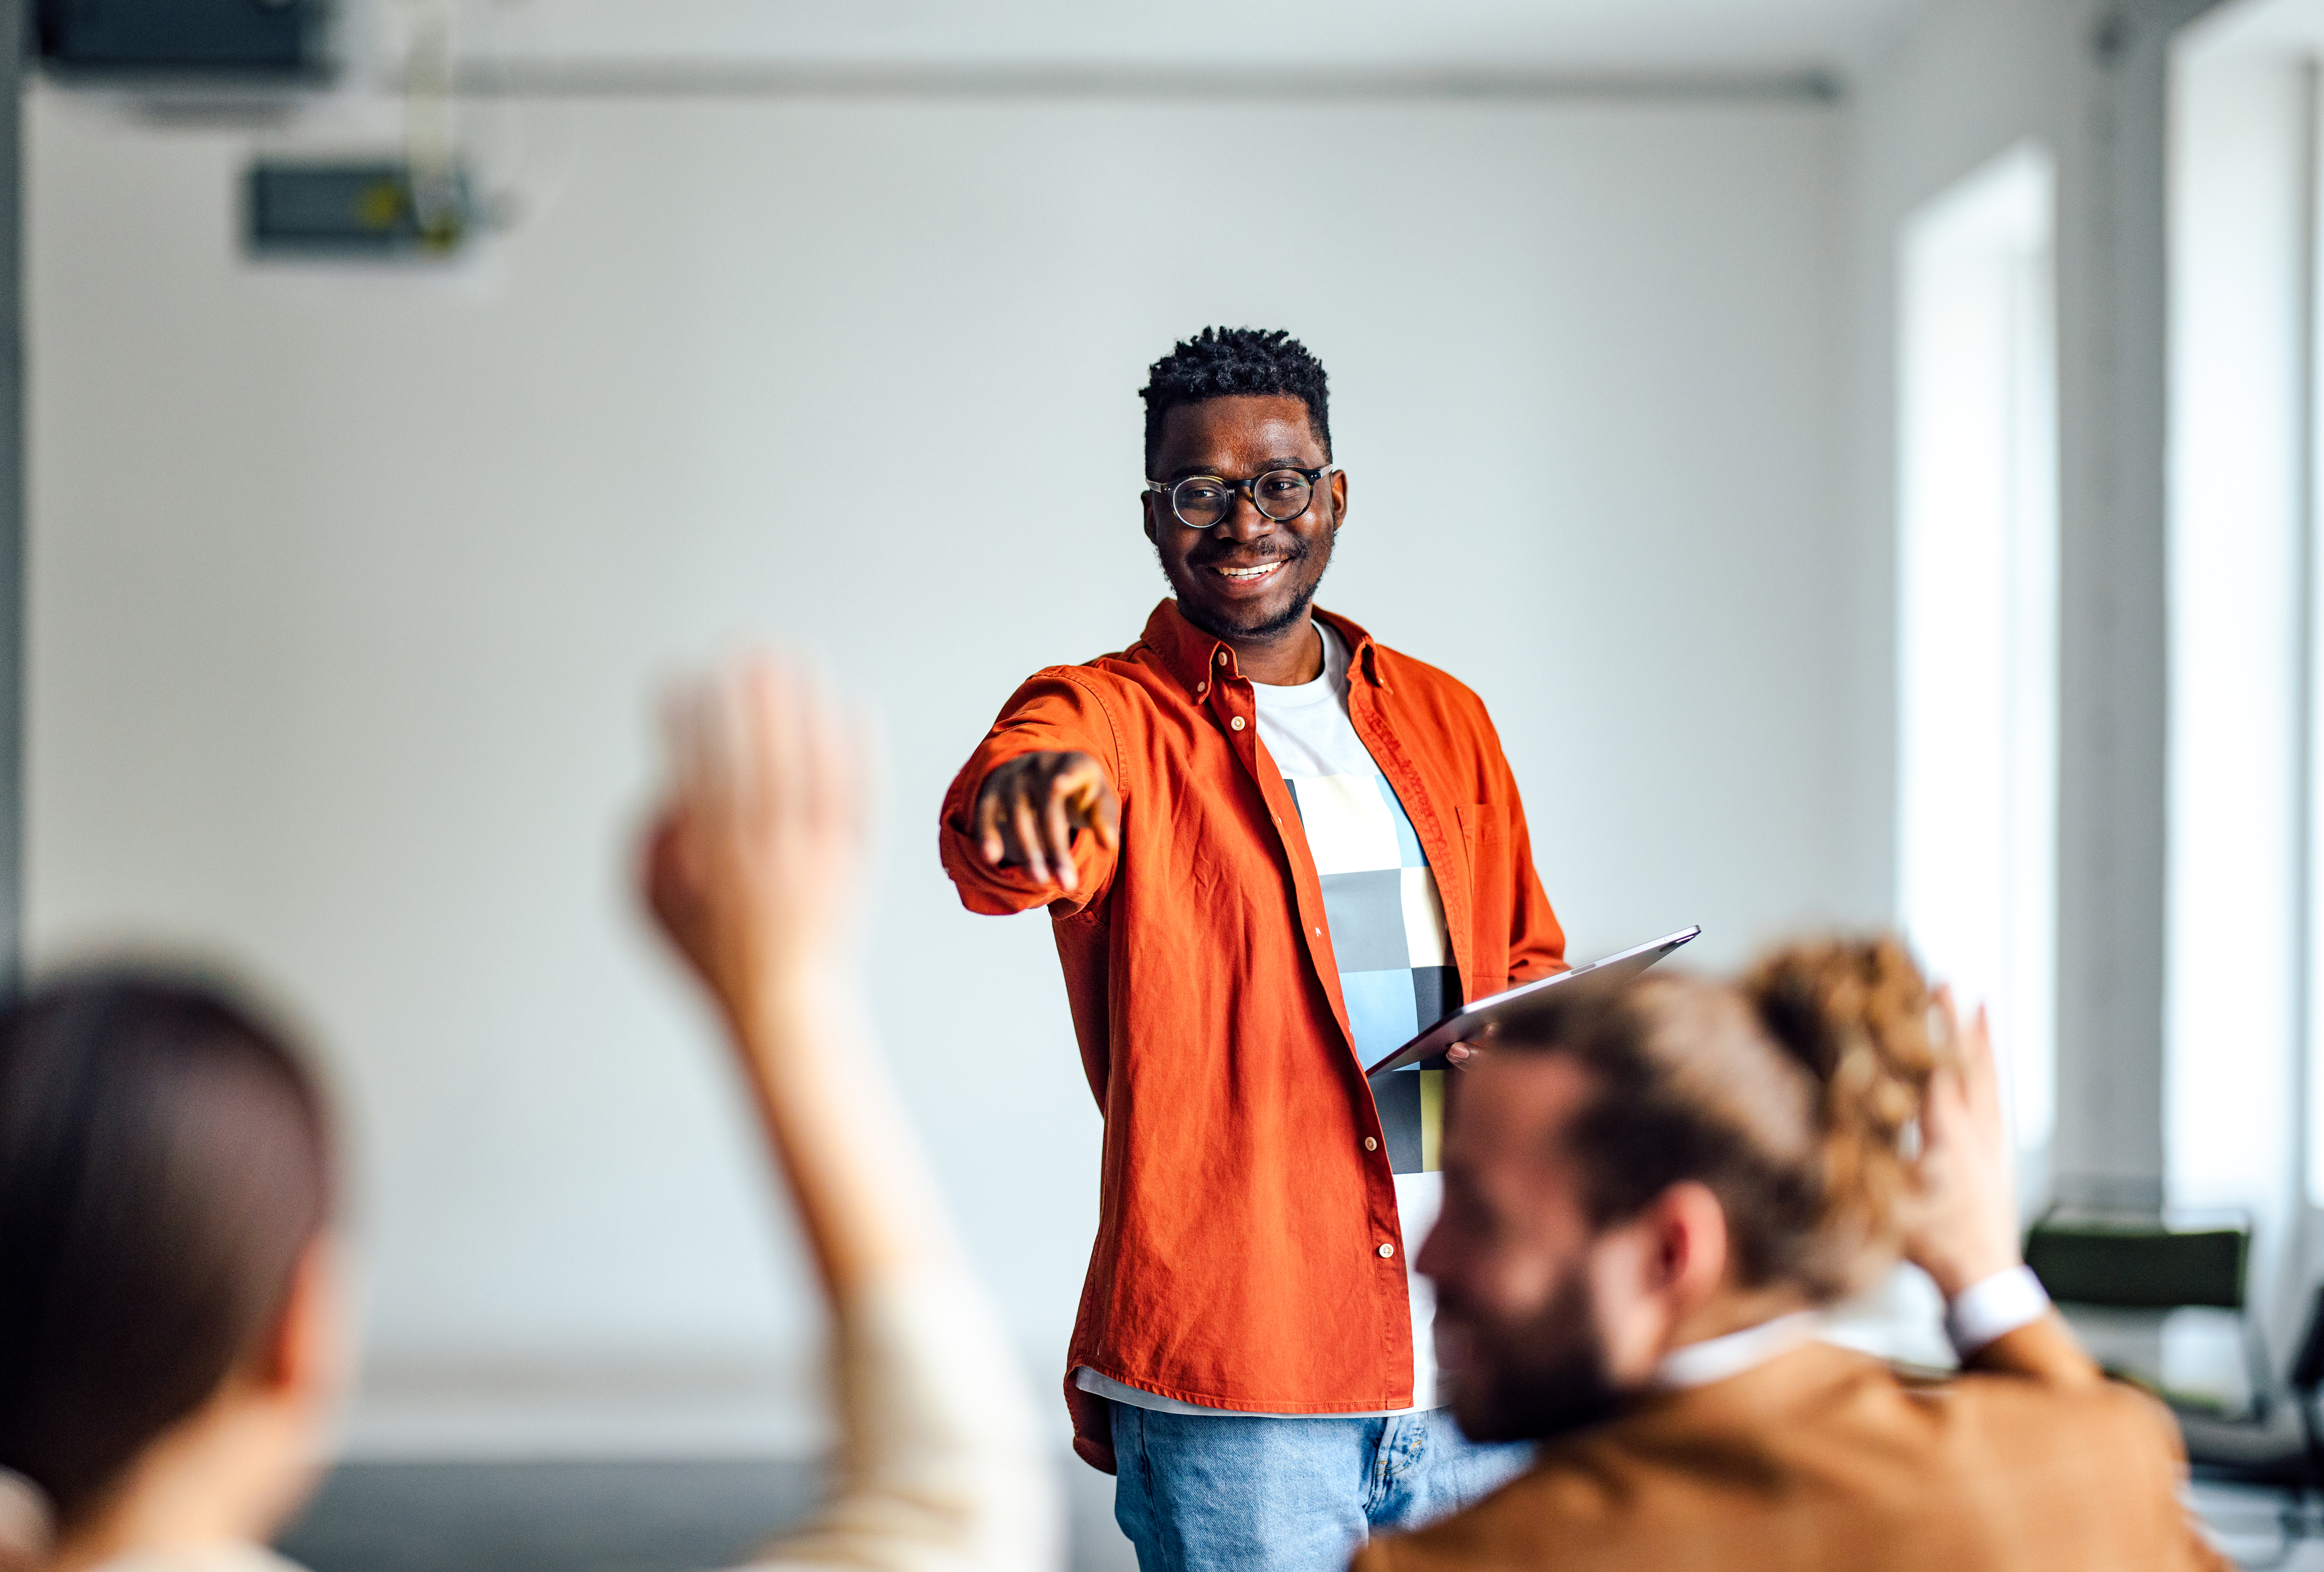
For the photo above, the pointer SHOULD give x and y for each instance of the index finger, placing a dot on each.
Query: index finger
(987, 827)
(1028, 837)
(1060, 831)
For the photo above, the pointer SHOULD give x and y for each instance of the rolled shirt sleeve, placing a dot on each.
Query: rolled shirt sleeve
(941, 1468)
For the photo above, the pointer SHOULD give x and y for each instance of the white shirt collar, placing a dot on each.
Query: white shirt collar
(1717, 1358)
(228, 1558)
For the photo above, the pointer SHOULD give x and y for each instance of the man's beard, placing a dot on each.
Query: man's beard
(1294, 561)
(1539, 1378)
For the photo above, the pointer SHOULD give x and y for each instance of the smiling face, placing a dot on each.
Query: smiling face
(1248, 580)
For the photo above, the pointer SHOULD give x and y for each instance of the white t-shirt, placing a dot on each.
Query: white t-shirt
(1395, 967)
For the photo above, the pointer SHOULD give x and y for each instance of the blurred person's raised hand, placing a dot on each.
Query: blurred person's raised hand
(1029, 808)
(754, 867)
(755, 860)
(1961, 1216)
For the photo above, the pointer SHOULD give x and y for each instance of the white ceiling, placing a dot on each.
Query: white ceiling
(1641, 37)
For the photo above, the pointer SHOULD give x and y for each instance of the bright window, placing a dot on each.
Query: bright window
(2243, 881)
(1977, 574)
(2238, 638)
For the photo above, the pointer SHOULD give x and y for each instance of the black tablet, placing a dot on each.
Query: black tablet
(1475, 1023)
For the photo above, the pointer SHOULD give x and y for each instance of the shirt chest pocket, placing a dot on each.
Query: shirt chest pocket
(1492, 895)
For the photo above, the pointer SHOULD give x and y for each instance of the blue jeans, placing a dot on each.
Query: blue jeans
(1234, 1493)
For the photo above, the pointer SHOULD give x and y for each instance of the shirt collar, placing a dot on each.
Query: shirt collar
(1717, 1358)
(1192, 655)
(224, 1558)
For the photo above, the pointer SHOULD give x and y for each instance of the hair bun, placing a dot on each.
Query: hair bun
(1856, 1012)
(27, 1523)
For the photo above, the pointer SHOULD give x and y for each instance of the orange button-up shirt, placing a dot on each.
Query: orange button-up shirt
(1241, 1214)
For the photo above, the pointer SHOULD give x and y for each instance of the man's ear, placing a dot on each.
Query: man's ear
(1691, 1244)
(307, 1353)
(1339, 500)
(1146, 508)
(1654, 1273)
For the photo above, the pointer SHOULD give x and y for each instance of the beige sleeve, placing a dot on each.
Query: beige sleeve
(942, 1466)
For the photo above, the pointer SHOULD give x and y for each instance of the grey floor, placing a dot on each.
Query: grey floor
(687, 1517)
(2248, 1526)
(661, 1516)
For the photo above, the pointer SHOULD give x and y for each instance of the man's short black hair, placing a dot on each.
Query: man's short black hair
(1220, 363)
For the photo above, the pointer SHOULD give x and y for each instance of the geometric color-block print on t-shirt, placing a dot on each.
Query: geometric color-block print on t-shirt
(1388, 938)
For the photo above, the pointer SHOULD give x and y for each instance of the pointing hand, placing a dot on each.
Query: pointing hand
(1031, 807)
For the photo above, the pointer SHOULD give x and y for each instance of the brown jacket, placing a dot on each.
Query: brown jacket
(1822, 1458)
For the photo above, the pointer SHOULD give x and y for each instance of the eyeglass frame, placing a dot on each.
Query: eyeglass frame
(1242, 488)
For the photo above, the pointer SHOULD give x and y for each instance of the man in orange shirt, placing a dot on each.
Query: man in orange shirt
(1273, 850)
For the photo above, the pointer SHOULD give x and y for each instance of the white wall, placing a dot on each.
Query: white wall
(350, 587)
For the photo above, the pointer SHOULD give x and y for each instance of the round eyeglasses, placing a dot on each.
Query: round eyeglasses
(1204, 501)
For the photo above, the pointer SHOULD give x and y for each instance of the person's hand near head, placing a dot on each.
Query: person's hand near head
(1960, 1219)
(1031, 807)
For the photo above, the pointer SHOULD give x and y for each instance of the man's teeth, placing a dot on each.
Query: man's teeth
(1258, 572)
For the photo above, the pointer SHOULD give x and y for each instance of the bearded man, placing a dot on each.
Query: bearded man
(1649, 1204)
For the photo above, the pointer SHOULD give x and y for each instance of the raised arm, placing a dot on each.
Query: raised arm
(1961, 1228)
(754, 869)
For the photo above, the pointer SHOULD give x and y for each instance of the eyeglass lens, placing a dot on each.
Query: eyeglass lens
(1202, 501)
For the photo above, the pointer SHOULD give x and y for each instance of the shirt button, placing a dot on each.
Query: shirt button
(1370, 1143)
(1236, 723)
(1386, 1251)
(1319, 933)
(1223, 657)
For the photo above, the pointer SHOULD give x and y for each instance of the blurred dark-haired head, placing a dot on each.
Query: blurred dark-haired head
(165, 1168)
(1758, 1126)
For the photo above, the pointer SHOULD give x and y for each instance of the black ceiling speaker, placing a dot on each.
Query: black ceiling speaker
(234, 40)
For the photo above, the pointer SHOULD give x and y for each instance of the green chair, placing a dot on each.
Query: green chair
(2132, 1262)
(2141, 1262)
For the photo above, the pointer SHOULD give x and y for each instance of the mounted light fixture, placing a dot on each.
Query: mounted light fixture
(381, 210)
